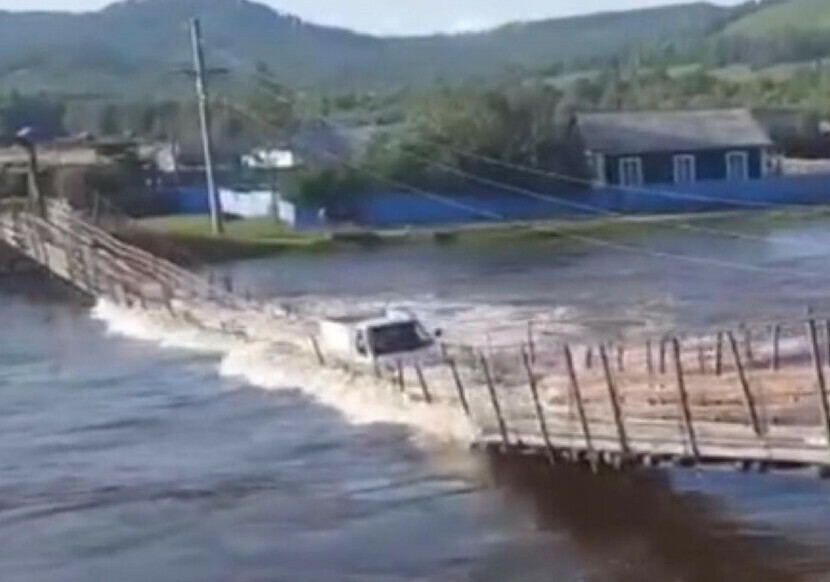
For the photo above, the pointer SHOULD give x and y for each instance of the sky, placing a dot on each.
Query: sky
(403, 16)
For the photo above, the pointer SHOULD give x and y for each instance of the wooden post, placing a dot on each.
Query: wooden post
(423, 382)
(316, 346)
(168, 300)
(827, 328)
(495, 400)
(701, 356)
(96, 208)
(36, 201)
(531, 342)
(776, 348)
(577, 395)
(459, 386)
(589, 358)
(821, 382)
(685, 409)
(111, 291)
(750, 354)
(749, 399)
(663, 355)
(614, 398)
(92, 265)
(121, 290)
(621, 358)
(401, 379)
(649, 359)
(534, 390)
(719, 354)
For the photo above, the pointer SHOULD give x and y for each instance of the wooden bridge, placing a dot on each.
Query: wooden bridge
(754, 398)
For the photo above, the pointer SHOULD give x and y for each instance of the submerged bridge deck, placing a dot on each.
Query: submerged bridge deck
(754, 397)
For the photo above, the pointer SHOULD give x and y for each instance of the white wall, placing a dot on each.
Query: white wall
(253, 204)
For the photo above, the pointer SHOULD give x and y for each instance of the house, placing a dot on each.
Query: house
(78, 168)
(634, 149)
(269, 159)
(184, 163)
(796, 133)
(322, 143)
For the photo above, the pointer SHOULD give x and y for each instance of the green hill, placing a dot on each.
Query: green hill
(132, 46)
(783, 16)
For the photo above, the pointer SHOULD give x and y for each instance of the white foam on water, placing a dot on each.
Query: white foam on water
(277, 365)
(157, 326)
(360, 397)
(273, 351)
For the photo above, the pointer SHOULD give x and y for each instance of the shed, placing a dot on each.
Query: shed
(674, 147)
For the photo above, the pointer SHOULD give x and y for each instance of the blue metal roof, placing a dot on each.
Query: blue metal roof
(670, 131)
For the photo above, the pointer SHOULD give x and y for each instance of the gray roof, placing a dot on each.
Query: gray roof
(670, 131)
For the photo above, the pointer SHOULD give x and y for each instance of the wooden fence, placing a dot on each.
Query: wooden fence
(752, 398)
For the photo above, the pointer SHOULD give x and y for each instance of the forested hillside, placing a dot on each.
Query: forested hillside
(133, 45)
(781, 16)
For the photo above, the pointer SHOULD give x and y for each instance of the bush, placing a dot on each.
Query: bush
(329, 187)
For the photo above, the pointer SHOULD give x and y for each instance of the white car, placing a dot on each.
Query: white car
(378, 338)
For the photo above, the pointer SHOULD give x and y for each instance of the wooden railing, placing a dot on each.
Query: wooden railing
(755, 397)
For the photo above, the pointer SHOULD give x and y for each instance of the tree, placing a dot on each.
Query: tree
(272, 104)
(109, 122)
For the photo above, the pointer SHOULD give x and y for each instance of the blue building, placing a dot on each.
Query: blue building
(633, 149)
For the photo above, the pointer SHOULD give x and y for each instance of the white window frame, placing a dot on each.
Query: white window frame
(637, 162)
(770, 163)
(739, 155)
(691, 163)
(599, 170)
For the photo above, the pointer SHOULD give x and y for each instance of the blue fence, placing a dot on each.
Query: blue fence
(390, 209)
(194, 200)
(189, 200)
(395, 208)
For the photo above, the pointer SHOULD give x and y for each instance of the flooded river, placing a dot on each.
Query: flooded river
(130, 460)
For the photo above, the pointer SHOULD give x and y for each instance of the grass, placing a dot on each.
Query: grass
(264, 230)
(189, 239)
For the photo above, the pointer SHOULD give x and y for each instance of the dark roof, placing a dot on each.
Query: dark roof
(670, 131)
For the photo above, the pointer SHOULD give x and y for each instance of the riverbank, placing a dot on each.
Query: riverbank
(188, 239)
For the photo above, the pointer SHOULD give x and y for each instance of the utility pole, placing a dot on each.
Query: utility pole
(216, 218)
(36, 202)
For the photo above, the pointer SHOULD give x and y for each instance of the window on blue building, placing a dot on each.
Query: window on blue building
(631, 172)
(685, 171)
(737, 166)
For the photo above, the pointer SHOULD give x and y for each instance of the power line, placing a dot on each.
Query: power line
(597, 210)
(397, 183)
(558, 176)
(560, 230)
(560, 201)
(699, 261)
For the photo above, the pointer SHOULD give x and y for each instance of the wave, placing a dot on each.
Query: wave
(271, 350)
(285, 365)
